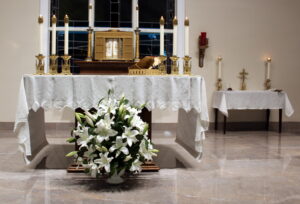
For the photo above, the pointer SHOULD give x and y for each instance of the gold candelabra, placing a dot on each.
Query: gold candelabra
(137, 45)
(219, 84)
(268, 84)
(66, 68)
(162, 66)
(174, 66)
(89, 53)
(53, 64)
(40, 64)
(187, 65)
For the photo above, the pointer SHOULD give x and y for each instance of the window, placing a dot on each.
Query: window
(116, 14)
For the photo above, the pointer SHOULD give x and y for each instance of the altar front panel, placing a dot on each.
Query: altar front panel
(157, 92)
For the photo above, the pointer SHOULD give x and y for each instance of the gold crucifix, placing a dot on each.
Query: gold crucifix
(243, 77)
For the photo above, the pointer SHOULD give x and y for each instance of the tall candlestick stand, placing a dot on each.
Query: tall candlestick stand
(66, 68)
(89, 51)
(187, 65)
(137, 45)
(268, 84)
(40, 64)
(162, 65)
(53, 64)
(219, 84)
(174, 66)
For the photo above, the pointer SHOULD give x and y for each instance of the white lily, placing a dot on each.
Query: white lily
(130, 135)
(137, 122)
(104, 130)
(84, 137)
(119, 146)
(147, 153)
(89, 121)
(90, 153)
(136, 165)
(104, 161)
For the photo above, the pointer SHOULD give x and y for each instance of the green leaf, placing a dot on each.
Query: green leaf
(71, 139)
(70, 154)
(154, 150)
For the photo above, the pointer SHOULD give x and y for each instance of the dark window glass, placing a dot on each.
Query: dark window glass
(78, 43)
(77, 10)
(113, 13)
(151, 11)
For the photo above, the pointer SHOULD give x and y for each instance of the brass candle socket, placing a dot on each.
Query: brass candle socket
(162, 66)
(40, 64)
(268, 84)
(174, 66)
(53, 64)
(66, 68)
(187, 65)
(89, 51)
(219, 84)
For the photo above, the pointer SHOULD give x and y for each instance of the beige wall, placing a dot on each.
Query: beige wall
(242, 32)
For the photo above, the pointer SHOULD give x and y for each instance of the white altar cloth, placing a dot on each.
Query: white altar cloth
(241, 100)
(38, 93)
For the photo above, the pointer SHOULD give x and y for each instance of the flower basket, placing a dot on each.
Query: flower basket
(112, 139)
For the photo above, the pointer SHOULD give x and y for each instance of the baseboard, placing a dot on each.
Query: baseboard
(293, 127)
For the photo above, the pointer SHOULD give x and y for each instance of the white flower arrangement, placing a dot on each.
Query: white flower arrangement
(112, 138)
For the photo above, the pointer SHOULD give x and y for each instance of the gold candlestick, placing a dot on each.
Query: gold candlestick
(174, 66)
(53, 64)
(40, 64)
(137, 45)
(243, 77)
(268, 84)
(187, 65)
(162, 65)
(66, 68)
(89, 53)
(219, 84)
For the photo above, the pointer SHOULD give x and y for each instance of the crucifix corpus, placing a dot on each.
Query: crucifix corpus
(243, 77)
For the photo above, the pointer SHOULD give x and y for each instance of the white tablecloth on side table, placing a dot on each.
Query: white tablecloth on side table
(38, 93)
(241, 100)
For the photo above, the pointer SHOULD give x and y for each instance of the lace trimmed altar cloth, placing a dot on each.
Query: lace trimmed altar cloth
(241, 100)
(187, 94)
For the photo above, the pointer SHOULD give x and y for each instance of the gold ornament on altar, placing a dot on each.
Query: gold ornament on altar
(187, 67)
(149, 65)
(66, 68)
(243, 77)
(40, 64)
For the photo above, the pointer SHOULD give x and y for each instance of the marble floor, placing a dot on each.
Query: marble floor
(237, 168)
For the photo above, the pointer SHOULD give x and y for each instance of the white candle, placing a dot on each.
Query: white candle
(66, 50)
(268, 67)
(175, 30)
(219, 67)
(186, 37)
(162, 37)
(53, 50)
(90, 15)
(40, 21)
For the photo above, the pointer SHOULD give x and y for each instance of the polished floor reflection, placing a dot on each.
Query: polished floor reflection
(238, 168)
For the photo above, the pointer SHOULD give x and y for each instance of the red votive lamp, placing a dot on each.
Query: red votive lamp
(203, 38)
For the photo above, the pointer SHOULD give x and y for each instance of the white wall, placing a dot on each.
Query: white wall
(242, 32)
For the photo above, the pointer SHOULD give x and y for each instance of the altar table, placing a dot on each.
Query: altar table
(187, 94)
(242, 100)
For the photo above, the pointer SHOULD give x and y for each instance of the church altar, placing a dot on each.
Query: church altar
(251, 100)
(185, 94)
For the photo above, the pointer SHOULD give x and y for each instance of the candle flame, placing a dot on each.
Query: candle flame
(162, 20)
(66, 19)
(269, 59)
